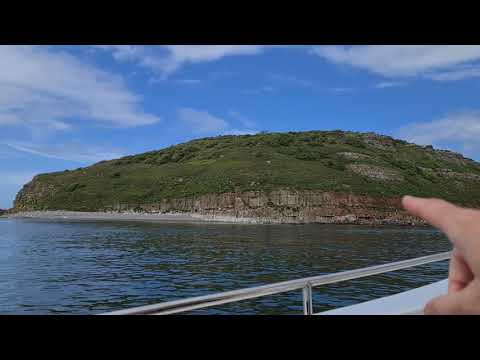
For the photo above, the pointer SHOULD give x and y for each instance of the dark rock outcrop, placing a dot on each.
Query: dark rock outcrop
(286, 207)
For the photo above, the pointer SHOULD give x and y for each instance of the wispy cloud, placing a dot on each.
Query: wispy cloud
(240, 132)
(460, 73)
(389, 84)
(264, 90)
(182, 54)
(45, 88)
(341, 90)
(404, 60)
(459, 129)
(290, 79)
(164, 60)
(242, 119)
(73, 151)
(202, 122)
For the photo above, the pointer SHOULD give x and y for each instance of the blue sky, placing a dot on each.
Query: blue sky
(64, 107)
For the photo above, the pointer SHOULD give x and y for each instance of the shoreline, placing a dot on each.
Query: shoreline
(123, 216)
(186, 218)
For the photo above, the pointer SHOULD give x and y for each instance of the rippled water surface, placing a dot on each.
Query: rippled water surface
(94, 267)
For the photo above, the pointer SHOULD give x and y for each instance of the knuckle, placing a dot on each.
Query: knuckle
(431, 308)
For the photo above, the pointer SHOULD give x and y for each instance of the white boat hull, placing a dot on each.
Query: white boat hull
(410, 302)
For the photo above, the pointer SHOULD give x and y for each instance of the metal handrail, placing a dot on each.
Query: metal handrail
(306, 284)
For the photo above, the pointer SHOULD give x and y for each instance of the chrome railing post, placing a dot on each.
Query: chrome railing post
(307, 299)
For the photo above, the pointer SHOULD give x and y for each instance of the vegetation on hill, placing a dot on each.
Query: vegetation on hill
(357, 163)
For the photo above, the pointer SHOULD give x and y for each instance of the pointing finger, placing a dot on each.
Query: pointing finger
(462, 226)
(438, 213)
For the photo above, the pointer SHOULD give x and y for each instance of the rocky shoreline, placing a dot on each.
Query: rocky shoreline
(107, 216)
(199, 218)
(274, 207)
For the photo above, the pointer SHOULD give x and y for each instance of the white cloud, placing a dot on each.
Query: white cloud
(402, 60)
(166, 59)
(76, 152)
(123, 52)
(201, 121)
(341, 90)
(189, 81)
(242, 119)
(460, 73)
(240, 132)
(44, 88)
(389, 84)
(181, 54)
(460, 129)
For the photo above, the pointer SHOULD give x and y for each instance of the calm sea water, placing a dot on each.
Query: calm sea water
(94, 267)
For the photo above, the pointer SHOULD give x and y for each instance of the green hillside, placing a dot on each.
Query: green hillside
(358, 163)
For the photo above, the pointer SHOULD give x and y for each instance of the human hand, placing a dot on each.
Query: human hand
(462, 226)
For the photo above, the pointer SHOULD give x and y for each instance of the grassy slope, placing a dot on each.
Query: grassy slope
(306, 160)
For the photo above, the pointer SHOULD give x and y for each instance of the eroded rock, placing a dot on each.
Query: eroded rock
(354, 156)
(458, 176)
(375, 172)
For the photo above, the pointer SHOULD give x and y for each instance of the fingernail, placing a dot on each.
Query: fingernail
(410, 198)
(406, 198)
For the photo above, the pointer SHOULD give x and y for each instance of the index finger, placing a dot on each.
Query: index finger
(436, 212)
(462, 226)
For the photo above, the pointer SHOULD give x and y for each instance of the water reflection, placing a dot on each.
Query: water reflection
(92, 267)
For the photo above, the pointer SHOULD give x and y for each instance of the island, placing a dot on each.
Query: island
(335, 177)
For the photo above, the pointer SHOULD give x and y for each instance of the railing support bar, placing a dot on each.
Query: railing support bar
(307, 300)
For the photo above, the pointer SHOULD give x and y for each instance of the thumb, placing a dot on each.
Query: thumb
(449, 304)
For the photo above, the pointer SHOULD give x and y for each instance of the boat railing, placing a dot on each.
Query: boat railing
(305, 285)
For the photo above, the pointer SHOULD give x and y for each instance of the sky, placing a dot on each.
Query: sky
(65, 107)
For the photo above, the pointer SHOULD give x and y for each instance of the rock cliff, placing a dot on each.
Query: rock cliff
(285, 206)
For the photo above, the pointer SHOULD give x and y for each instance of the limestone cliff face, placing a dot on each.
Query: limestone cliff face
(284, 206)
(280, 206)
